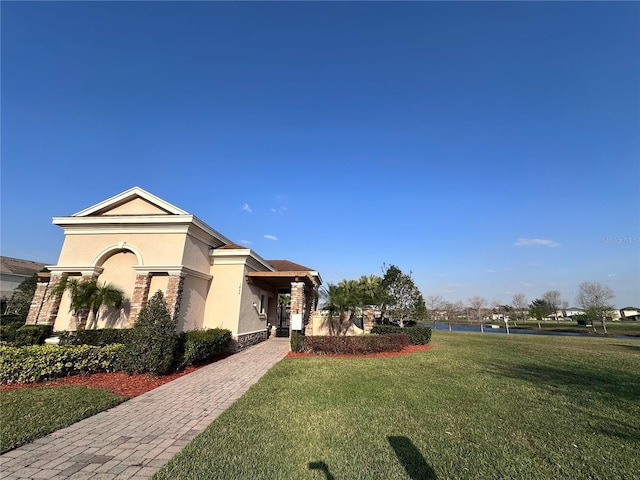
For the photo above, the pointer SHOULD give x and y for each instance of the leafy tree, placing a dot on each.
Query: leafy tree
(89, 296)
(402, 299)
(520, 306)
(20, 300)
(540, 309)
(152, 343)
(339, 301)
(594, 298)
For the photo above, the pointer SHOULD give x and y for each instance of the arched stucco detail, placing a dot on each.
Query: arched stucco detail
(117, 248)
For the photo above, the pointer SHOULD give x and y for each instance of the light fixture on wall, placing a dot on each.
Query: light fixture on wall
(255, 305)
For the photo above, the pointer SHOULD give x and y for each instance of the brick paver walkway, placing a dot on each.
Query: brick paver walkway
(134, 439)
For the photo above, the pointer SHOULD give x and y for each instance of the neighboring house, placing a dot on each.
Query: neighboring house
(573, 312)
(630, 313)
(14, 271)
(142, 244)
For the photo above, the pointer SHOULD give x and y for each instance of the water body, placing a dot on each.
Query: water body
(515, 331)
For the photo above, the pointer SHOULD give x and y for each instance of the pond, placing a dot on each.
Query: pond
(517, 331)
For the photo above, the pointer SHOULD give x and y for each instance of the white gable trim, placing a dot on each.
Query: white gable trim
(129, 195)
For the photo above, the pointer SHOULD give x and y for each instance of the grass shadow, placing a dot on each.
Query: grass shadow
(323, 467)
(633, 348)
(589, 381)
(411, 459)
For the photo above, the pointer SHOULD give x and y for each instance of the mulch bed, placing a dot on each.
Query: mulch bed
(406, 350)
(126, 385)
(119, 383)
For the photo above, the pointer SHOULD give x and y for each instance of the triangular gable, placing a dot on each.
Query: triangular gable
(134, 201)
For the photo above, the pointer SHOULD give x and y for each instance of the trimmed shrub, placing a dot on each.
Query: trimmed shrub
(42, 362)
(15, 320)
(418, 335)
(8, 333)
(296, 341)
(32, 335)
(98, 337)
(198, 346)
(360, 345)
(151, 346)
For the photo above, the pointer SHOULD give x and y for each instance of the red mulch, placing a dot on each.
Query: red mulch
(119, 383)
(406, 350)
(133, 385)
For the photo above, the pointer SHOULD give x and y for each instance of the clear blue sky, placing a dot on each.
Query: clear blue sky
(489, 148)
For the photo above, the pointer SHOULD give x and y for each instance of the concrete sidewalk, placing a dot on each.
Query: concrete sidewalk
(134, 439)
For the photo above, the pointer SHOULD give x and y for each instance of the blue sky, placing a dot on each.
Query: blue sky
(489, 148)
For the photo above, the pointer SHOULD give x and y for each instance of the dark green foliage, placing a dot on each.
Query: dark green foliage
(353, 345)
(418, 335)
(40, 362)
(8, 333)
(32, 335)
(296, 341)
(20, 301)
(198, 346)
(99, 337)
(152, 343)
(15, 320)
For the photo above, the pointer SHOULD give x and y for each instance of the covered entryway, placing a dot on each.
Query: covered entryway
(300, 282)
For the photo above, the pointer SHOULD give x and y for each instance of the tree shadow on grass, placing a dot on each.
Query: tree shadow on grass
(571, 379)
(633, 348)
(323, 467)
(411, 459)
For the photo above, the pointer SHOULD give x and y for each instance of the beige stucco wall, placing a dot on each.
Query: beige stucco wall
(155, 248)
(223, 299)
(196, 255)
(320, 327)
(250, 319)
(135, 206)
(192, 306)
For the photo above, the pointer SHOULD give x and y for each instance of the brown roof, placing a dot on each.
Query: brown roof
(287, 266)
(19, 267)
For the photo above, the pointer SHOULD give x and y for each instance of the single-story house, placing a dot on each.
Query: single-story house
(141, 244)
(14, 271)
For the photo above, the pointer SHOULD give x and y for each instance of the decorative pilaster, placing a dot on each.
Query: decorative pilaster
(368, 320)
(139, 297)
(174, 295)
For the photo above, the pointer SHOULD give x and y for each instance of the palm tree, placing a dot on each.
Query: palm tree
(88, 296)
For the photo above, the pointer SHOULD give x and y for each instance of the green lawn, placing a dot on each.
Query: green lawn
(30, 413)
(475, 406)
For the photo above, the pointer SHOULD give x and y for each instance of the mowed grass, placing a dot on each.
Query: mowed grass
(475, 406)
(30, 413)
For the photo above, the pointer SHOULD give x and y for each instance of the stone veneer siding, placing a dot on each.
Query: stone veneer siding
(139, 297)
(247, 340)
(174, 295)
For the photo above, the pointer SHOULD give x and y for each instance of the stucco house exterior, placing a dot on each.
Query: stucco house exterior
(14, 271)
(142, 244)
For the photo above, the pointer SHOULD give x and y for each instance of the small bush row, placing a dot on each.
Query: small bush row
(418, 335)
(98, 337)
(43, 362)
(199, 346)
(349, 345)
(25, 335)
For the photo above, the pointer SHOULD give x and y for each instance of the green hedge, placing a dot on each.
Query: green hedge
(8, 333)
(42, 362)
(32, 335)
(352, 345)
(199, 346)
(418, 335)
(98, 337)
(16, 320)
